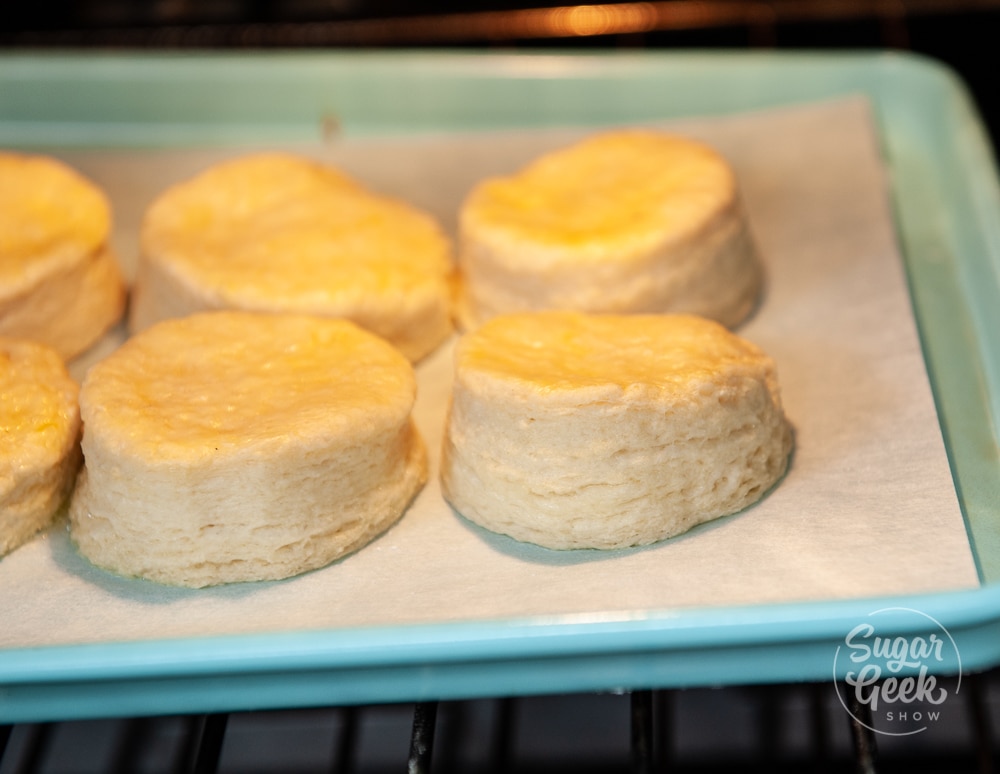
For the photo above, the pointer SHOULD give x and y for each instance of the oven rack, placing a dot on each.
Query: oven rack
(795, 727)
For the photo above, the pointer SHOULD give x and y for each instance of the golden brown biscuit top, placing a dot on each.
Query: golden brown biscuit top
(276, 231)
(623, 189)
(39, 414)
(554, 354)
(49, 215)
(195, 388)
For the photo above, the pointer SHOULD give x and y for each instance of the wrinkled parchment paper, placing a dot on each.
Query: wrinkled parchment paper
(867, 508)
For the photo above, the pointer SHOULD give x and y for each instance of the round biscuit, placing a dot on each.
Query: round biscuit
(571, 430)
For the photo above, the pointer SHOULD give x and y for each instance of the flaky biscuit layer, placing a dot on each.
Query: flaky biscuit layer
(60, 283)
(607, 431)
(628, 221)
(39, 439)
(231, 446)
(277, 233)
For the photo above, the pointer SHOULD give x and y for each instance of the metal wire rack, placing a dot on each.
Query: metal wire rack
(753, 728)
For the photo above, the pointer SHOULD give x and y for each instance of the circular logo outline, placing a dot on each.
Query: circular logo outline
(837, 680)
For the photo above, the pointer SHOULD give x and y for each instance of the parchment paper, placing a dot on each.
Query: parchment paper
(867, 508)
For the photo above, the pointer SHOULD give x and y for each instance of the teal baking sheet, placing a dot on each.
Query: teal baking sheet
(944, 194)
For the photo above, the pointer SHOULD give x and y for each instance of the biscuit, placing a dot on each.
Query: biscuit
(627, 221)
(571, 430)
(39, 439)
(232, 446)
(276, 233)
(60, 283)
